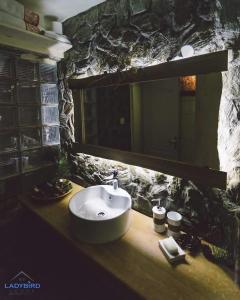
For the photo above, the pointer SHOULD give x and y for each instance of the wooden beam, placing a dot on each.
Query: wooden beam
(201, 64)
(201, 175)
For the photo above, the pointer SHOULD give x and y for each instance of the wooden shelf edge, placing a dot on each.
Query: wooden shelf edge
(30, 41)
(201, 175)
(200, 64)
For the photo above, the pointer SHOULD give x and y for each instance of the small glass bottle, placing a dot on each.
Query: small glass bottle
(159, 214)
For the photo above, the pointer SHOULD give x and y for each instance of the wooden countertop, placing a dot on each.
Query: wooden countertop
(138, 262)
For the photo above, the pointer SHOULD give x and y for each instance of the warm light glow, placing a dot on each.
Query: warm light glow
(188, 83)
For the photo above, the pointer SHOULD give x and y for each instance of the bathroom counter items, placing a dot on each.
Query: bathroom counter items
(170, 248)
(137, 261)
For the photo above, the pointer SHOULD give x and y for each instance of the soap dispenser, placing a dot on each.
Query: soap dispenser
(159, 214)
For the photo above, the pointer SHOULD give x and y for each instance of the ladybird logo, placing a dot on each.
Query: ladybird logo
(21, 284)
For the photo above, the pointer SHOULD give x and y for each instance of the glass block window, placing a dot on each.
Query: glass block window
(29, 115)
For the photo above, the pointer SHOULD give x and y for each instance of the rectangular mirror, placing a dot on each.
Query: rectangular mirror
(173, 118)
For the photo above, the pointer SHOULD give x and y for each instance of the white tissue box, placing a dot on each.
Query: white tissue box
(13, 8)
(56, 27)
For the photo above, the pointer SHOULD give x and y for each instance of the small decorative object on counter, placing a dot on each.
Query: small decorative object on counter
(172, 251)
(52, 190)
(159, 214)
(189, 242)
(217, 255)
(174, 224)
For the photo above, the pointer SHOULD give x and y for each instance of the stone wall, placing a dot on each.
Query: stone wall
(120, 34)
(117, 35)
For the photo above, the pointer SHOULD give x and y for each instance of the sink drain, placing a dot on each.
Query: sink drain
(101, 214)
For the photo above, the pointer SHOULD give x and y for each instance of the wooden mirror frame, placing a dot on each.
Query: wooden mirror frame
(196, 65)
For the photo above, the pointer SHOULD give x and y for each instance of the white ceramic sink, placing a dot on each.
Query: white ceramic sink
(100, 214)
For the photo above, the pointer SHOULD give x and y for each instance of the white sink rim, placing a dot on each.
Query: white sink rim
(108, 187)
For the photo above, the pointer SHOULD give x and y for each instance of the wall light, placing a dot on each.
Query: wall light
(188, 84)
(187, 51)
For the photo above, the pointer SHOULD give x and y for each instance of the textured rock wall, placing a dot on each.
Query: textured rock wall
(117, 35)
(66, 108)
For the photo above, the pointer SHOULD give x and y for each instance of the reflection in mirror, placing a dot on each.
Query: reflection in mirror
(174, 118)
